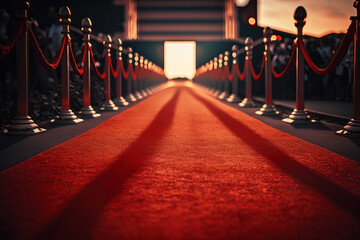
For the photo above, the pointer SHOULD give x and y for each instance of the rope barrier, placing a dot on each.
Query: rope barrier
(222, 76)
(5, 49)
(338, 56)
(115, 73)
(125, 73)
(78, 70)
(242, 75)
(288, 66)
(133, 73)
(100, 75)
(257, 76)
(46, 63)
(231, 75)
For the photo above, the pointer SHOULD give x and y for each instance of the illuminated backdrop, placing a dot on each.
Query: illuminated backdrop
(324, 16)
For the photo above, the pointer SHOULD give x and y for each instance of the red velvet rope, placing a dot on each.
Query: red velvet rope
(242, 75)
(100, 75)
(147, 73)
(133, 72)
(222, 74)
(5, 49)
(39, 53)
(212, 73)
(230, 75)
(140, 72)
(290, 63)
(77, 70)
(257, 76)
(125, 73)
(338, 56)
(115, 73)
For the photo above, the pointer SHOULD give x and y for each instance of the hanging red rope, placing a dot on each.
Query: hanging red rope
(230, 75)
(133, 72)
(222, 72)
(242, 75)
(115, 73)
(125, 73)
(288, 66)
(5, 49)
(140, 72)
(39, 53)
(212, 73)
(77, 70)
(100, 75)
(338, 56)
(257, 76)
(86, 45)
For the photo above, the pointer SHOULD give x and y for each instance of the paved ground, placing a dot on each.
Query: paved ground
(335, 108)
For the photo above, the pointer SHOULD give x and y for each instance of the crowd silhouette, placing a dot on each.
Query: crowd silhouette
(44, 83)
(334, 86)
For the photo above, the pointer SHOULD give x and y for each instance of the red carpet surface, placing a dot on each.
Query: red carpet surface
(182, 165)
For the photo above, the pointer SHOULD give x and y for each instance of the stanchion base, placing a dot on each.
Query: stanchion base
(148, 91)
(298, 117)
(143, 93)
(224, 95)
(24, 125)
(109, 106)
(138, 95)
(153, 90)
(267, 110)
(249, 103)
(352, 129)
(67, 117)
(233, 98)
(212, 91)
(206, 90)
(130, 98)
(216, 93)
(88, 112)
(120, 102)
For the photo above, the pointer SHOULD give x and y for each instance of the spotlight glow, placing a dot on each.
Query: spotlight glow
(180, 59)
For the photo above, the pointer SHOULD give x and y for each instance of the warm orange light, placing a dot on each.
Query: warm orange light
(252, 21)
(180, 59)
(332, 16)
(188, 84)
(273, 38)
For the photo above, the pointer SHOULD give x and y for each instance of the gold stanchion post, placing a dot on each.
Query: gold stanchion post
(87, 111)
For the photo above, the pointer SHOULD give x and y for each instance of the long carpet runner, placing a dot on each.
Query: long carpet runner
(182, 165)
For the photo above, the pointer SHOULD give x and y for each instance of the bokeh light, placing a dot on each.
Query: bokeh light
(252, 21)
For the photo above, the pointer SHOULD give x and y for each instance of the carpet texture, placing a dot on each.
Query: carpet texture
(181, 165)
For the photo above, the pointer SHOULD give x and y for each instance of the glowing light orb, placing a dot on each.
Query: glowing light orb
(252, 21)
(242, 3)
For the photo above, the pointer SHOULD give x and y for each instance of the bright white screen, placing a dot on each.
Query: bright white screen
(180, 59)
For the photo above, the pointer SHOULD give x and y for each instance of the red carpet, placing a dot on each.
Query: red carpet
(181, 165)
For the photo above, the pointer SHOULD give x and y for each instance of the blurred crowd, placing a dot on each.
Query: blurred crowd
(334, 86)
(44, 84)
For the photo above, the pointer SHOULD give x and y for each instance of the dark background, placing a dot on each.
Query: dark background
(108, 18)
